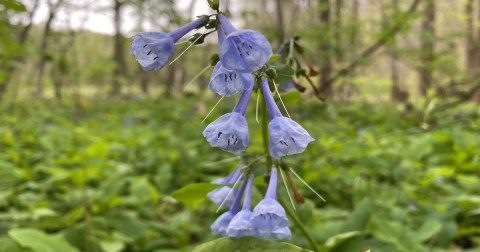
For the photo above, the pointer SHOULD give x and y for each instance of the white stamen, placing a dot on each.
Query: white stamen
(229, 193)
(256, 108)
(305, 183)
(212, 109)
(193, 43)
(196, 77)
(286, 188)
(280, 97)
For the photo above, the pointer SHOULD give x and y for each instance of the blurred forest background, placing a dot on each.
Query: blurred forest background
(92, 147)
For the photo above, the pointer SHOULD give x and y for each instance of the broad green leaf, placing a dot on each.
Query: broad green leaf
(284, 73)
(8, 245)
(127, 223)
(247, 244)
(274, 58)
(428, 229)
(194, 194)
(38, 241)
(340, 238)
(358, 219)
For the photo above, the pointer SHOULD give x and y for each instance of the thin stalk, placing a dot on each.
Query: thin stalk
(298, 223)
(263, 111)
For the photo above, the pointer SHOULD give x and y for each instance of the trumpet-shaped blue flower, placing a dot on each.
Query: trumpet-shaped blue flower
(220, 225)
(243, 51)
(231, 178)
(224, 194)
(227, 82)
(241, 224)
(286, 136)
(268, 217)
(230, 131)
(153, 49)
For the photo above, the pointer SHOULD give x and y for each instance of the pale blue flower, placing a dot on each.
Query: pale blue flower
(241, 224)
(243, 51)
(220, 225)
(230, 131)
(153, 49)
(268, 217)
(231, 178)
(286, 136)
(223, 195)
(227, 82)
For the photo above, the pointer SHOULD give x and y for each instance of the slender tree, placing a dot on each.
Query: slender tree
(428, 47)
(118, 51)
(325, 86)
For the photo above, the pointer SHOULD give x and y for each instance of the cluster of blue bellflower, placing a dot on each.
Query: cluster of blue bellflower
(243, 56)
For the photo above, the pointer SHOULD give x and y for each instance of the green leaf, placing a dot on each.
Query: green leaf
(194, 194)
(39, 241)
(284, 73)
(427, 230)
(247, 244)
(127, 223)
(340, 238)
(214, 4)
(358, 219)
(274, 58)
(8, 245)
(13, 5)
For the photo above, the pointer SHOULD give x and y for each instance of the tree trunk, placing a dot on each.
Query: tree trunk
(428, 47)
(337, 30)
(118, 57)
(44, 50)
(280, 25)
(22, 38)
(325, 86)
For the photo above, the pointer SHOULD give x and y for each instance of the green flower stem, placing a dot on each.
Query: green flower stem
(263, 113)
(298, 223)
(291, 214)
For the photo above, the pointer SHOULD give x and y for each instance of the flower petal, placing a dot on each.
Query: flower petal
(219, 227)
(227, 82)
(245, 51)
(229, 132)
(241, 225)
(152, 49)
(287, 137)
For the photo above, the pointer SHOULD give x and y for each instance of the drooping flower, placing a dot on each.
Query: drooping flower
(225, 195)
(286, 136)
(268, 217)
(227, 82)
(230, 131)
(241, 224)
(153, 49)
(220, 225)
(231, 178)
(243, 51)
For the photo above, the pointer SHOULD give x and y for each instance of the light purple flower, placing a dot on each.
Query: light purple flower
(231, 178)
(153, 49)
(286, 136)
(227, 82)
(220, 225)
(243, 51)
(268, 217)
(241, 224)
(230, 131)
(223, 195)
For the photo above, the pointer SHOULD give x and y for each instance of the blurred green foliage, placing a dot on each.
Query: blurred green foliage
(99, 177)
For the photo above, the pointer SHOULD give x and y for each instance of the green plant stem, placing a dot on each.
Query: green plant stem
(291, 214)
(298, 223)
(264, 115)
